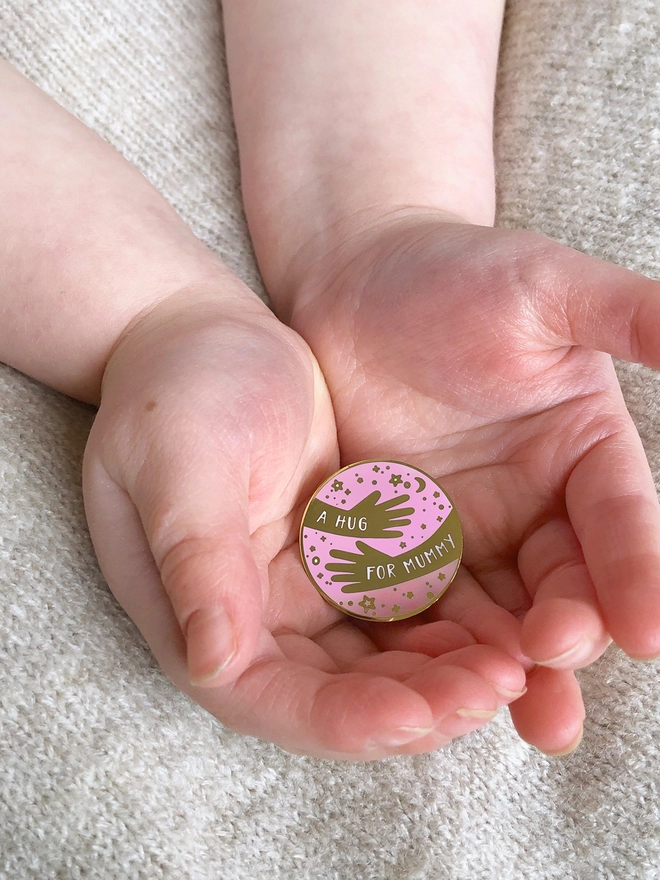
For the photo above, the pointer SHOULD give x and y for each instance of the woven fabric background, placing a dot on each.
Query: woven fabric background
(106, 771)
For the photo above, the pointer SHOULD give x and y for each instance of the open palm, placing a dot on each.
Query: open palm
(214, 428)
(476, 355)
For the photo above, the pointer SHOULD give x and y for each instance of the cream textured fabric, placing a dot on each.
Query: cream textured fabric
(106, 771)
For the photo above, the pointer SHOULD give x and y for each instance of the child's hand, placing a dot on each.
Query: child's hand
(214, 428)
(475, 354)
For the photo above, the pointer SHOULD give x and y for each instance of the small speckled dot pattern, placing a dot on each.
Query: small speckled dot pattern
(381, 540)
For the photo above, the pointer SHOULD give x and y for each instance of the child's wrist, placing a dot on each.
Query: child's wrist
(224, 299)
(317, 262)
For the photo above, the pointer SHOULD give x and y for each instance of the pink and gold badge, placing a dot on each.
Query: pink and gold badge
(381, 540)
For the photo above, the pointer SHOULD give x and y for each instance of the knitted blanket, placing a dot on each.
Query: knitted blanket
(106, 771)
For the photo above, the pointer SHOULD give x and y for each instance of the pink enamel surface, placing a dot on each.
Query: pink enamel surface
(431, 508)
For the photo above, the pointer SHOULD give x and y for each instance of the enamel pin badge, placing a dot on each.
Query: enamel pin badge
(381, 540)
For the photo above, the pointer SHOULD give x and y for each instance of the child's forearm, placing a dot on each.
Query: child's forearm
(349, 110)
(86, 243)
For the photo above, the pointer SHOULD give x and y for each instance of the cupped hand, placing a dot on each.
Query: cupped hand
(477, 355)
(214, 428)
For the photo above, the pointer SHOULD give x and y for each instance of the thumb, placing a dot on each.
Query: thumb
(211, 579)
(179, 533)
(601, 306)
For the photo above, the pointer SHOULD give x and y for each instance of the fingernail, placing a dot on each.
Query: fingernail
(573, 657)
(207, 678)
(209, 636)
(507, 694)
(399, 737)
(481, 714)
(463, 720)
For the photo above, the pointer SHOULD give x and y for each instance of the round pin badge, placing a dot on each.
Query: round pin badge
(381, 540)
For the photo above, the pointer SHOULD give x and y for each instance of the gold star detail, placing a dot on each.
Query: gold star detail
(368, 603)
(337, 486)
(395, 479)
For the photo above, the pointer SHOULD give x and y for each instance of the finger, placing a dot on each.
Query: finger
(599, 305)
(613, 507)
(431, 639)
(496, 668)
(564, 628)
(294, 604)
(357, 716)
(128, 566)
(211, 579)
(195, 521)
(346, 644)
(398, 665)
(364, 715)
(460, 700)
(303, 650)
(550, 715)
(494, 680)
(467, 605)
(501, 581)
(502, 672)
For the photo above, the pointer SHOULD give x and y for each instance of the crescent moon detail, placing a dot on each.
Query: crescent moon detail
(422, 485)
